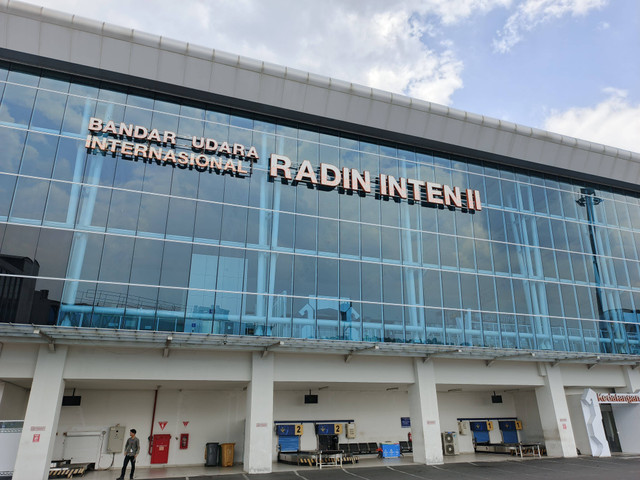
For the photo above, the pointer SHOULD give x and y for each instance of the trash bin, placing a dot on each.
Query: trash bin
(227, 454)
(212, 454)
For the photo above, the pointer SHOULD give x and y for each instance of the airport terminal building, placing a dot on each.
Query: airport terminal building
(199, 245)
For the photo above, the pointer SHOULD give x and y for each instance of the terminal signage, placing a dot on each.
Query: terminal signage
(153, 145)
(207, 154)
(618, 397)
(352, 179)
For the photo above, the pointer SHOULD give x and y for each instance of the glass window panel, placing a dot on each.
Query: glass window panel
(38, 155)
(508, 331)
(140, 311)
(350, 280)
(58, 208)
(539, 199)
(483, 255)
(448, 252)
(307, 199)
(521, 297)
(548, 264)
(17, 105)
(76, 115)
(497, 225)
(180, 220)
(306, 233)
(283, 230)
(493, 192)
(579, 267)
(174, 260)
(569, 301)
(260, 192)
(555, 202)
(69, 162)
(123, 212)
(115, 265)
(585, 302)
(234, 225)
(469, 292)
(371, 282)
(505, 296)
(509, 194)
(390, 244)
(172, 306)
(100, 169)
(29, 200)
(93, 207)
(371, 322)
(236, 190)
(500, 257)
(256, 273)
(280, 285)
(328, 279)
(157, 178)
(370, 242)
(487, 291)
(574, 237)
(622, 278)
(432, 288)
(52, 253)
(21, 241)
(147, 261)
(327, 236)
(435, 327)
(563, 262)
(259, 228)
(48, 111)
(7, 187)
(349, 239)
(12, 142)
(450, 290)
(554, 302)
(304, 285)
(390, 212)
(466, 253)
(129, 174)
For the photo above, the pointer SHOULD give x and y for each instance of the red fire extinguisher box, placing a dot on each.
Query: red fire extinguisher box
(160, 449)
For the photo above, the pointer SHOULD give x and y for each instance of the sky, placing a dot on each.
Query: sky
(568, 66)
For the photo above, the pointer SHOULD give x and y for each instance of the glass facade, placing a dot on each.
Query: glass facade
(95, 239)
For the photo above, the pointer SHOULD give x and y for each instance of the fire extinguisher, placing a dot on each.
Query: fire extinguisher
(409, 436)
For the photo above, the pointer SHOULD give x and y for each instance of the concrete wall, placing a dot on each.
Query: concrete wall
(13, 401)
(527, 411)
(213, 416)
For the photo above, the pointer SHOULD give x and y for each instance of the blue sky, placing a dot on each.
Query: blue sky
(570, 66)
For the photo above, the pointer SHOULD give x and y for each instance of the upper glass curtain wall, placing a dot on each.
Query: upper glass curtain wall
(93, 238)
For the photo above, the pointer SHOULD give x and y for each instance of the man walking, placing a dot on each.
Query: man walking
(131, 450)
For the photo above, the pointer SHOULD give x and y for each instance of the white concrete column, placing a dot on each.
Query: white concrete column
(41, 419)
(258, 431)
(554, 414)
(628, 416)
(425, 418)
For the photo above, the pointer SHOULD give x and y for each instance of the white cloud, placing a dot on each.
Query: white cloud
(388, 44)
(614, 121)
(532, 13)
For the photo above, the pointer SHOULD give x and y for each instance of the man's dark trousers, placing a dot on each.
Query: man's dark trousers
(127, 459)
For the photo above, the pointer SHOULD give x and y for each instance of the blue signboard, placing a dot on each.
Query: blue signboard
(326, 429)
(285, 430)
(405, 422)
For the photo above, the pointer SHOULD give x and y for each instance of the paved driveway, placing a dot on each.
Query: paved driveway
(582, 468)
